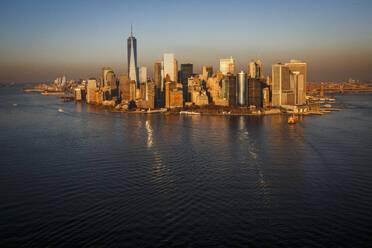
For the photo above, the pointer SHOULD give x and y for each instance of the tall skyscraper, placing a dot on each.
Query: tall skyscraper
(91, 90)
(186, 72)
(124, 87)
(252, 69)
(105, 71)
(227, 66)
(242, 88)
(289, 83)
(157, 74)
(132, 58)
(169, 66)
(143, 74)
(280, 75)
(259, 69)
(300, 80)
(175, 64)
(229, 89)
(254, 92)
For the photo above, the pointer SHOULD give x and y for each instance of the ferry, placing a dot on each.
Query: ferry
(189, 113)
(292, 119)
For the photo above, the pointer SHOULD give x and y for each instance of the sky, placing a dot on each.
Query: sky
(40, 40)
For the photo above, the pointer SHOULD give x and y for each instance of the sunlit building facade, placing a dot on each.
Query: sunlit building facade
(132, 59)
(227, 66)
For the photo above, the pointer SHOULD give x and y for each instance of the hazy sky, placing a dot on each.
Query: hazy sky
(39, 40)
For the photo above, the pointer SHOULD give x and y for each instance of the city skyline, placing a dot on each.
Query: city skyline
(79, 44)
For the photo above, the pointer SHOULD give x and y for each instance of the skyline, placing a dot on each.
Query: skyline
(40, 40)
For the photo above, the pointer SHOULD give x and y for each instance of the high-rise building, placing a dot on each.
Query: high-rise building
(63, 80)
(132, 58)
(157, 74)
(207, 72)
(105, 71)
(300, 83)
(91, 90)
(227, 66)
(280, 78)
(242, 88)
(111, 80)
(254, 92)
(169, 66)
(232, 90)
(229, 89)
(133, 91)
(289, 83)
(255, 69)
(124, 87)
(259, 69)
(252, 69)
(175, 68)
(185, 73)
(143, 74)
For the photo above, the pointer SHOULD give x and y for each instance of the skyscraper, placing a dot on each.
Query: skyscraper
(242, 88)
(280, 79)
(157, 74)
(186, 72)
(229, 89)
(254, 92)
(169, 66)
(105, 71)
(298, 68)
(132, 58)
(227, 66)
(175, 68)
(289, 83)
(252, 69)
(259, 70)
(255, 69)
(143, 74)
(124, 87)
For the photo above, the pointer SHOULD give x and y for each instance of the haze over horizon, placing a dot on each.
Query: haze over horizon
(40, 40)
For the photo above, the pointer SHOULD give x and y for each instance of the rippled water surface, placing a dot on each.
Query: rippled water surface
(91, 178)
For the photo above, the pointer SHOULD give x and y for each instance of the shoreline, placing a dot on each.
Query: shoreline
(212, 110)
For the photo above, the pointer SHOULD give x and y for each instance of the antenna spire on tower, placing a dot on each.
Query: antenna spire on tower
(131, 30)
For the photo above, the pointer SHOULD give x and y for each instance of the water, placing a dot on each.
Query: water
(88, 177)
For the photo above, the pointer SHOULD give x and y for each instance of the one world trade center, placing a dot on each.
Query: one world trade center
(132, 58)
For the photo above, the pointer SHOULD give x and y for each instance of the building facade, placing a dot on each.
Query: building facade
(169, 66)
(143, 74)
(227, 66)
(132, 58)
(242, 88)
(289, 83)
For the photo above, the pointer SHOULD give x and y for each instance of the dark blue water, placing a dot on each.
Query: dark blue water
(91, 178)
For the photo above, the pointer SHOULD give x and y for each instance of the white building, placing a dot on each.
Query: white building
(169, 66)
(143, 74)
(227, 65)
(252, 69)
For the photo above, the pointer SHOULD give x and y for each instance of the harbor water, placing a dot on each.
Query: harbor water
(88, 177)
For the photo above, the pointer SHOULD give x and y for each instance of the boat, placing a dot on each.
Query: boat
(292, 119)
(189, 113)
(60, 110)
(54, 93)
